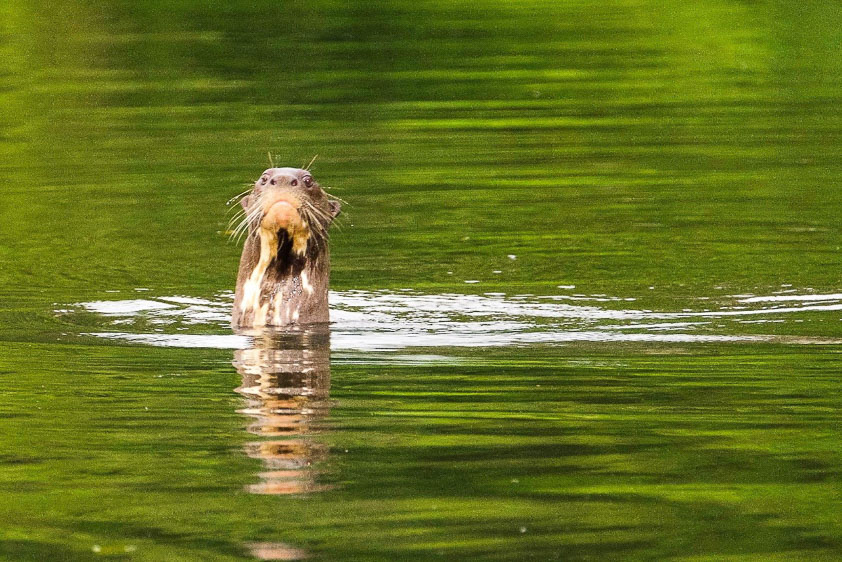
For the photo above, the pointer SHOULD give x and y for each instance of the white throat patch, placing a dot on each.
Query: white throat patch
(251, 288)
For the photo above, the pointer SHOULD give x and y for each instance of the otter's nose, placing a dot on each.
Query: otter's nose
(282, 180)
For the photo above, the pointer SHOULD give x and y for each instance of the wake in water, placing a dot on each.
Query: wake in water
(396, 320)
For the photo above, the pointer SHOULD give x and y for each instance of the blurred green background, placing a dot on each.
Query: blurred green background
(615, 145)
(662, 151)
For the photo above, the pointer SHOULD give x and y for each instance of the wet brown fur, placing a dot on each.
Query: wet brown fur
(293, 288)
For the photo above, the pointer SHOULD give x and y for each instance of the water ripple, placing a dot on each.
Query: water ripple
(396, 320)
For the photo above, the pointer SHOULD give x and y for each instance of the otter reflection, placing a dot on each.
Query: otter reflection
(286, 381)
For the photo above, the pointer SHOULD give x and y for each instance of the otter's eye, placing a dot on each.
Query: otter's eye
(293, 183)
(273, 182)
(263, 180)
(308, 181)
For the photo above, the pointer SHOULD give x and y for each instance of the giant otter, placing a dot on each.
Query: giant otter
(285, 265)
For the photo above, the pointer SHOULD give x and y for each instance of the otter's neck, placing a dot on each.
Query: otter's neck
(277, 286)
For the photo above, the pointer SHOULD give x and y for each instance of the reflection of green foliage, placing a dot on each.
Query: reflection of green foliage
(615, 147)
(709, 452)
(691, 147)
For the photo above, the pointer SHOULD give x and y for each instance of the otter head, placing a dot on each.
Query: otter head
(285, 268)
(289, 203)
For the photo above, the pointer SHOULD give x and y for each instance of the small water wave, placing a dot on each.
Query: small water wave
(390, 321)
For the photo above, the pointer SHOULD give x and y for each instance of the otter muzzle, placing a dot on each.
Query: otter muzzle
(282, 215)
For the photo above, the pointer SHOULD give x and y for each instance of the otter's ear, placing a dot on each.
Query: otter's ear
(335, 207)
(245, 202)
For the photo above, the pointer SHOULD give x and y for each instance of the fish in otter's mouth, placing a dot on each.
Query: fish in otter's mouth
(285, 264)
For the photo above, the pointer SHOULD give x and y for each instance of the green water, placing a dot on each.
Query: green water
(643, 195)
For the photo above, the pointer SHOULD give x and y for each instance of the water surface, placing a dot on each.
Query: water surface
(586, 290)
